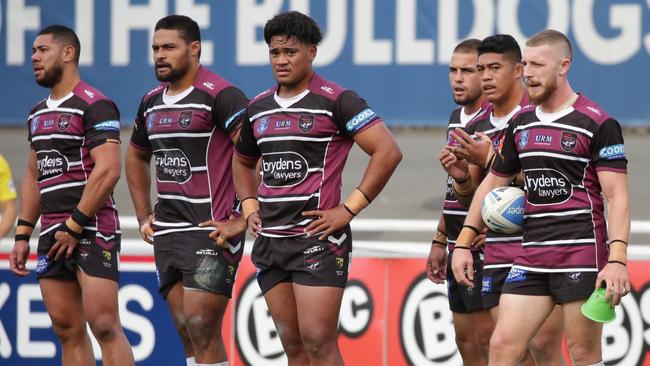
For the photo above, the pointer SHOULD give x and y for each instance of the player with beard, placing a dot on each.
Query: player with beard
(188, 125)
(499, 64)
(302, 129)
(73, 165)
(472, 324)
(571, 154)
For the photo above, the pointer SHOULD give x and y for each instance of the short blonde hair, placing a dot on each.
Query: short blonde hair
(551, 37)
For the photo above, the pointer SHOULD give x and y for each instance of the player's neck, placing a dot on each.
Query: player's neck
(64, 87)
(288, 91)
(472, 108)
(180, 85)
(562, 98)
(513, 100)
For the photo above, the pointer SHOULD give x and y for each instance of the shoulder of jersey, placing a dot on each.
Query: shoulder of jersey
(265, 94)
(591, 109)
(88, 93)
(210, 82)
(326, 88)
(529, 108)
(155, 91)
(38, 106)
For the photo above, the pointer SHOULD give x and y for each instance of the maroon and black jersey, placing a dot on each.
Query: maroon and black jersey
(190, 137)
(62, 133)
(453, 212)
(560, 155)
(500, 250)
(303, 145)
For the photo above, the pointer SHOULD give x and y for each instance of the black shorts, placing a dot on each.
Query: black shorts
(493, 280)
(96, 255)
(464, 299)
(562, 287)
(196, 260)
(305, 261)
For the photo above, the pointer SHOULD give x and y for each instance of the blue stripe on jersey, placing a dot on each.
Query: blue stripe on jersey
(360, 120)
(113, 125)
(233, 117)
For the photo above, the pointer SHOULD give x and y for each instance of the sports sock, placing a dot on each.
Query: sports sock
(599, 363)
(225, 363)
(190, 361)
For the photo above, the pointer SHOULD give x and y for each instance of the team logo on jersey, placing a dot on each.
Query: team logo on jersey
(284, 169)
(263, 125)
(64, 121)
(185, 119)
(50, 164)
(34, 125)
(569, 141)
(523, 139)
(172, 166)
(150, 119)
(306, 122)
(547, 187)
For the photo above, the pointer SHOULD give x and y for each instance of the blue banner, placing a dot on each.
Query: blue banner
(394, 53)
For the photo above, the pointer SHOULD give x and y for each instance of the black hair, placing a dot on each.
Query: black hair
(293, 24)
(64, 35)
(503, 44)
(187, 28)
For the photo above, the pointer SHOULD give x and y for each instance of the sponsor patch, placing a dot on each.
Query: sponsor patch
(360, 120)
(234, 117)
(51, 164)
(543, 139)
(523, 139)
(185, 119)
(314, 249)
(172, 166)
(113, 125)
(107, 255)
(516, 275)
(284, 169)
(206, 252)
(547, 186)
(41, 264)
(568, 141)
(487, 285)
(263, 125)
(612, 152)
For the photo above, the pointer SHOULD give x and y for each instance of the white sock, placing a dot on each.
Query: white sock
(599, 363)
(190, 361)
(225, 363)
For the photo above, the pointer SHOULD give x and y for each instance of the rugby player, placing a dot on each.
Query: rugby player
(472, 324)
(499, 63)
(8, 195)
(73, 165)
(188, 125)
(571, 151)
(302, 129)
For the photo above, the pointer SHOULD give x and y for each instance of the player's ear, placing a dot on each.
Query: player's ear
(519, 70)
(195, 48)
(312, 52)
(68, 53)
(565, 65)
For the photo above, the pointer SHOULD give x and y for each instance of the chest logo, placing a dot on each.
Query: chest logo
(185, 119)
(523, 139)
(34, 125)
(172, 166)
(569, 141)
(64, 121)
(150, 119)
(263, 125)
(306, 122)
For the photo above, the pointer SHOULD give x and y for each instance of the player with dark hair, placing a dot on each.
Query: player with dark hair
(499, 63)
(302, 129)
(472, 324)
(188, 125)
(570, 152)
(73, 165)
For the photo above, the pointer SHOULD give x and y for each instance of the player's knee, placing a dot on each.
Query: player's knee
(502, 344)
(67, 327)
(104, 327)
(483, 340)
(545, 346)
(583, 351)
(202, 330)
(318, 341)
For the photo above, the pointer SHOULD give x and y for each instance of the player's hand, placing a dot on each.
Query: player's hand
(436, 265)
(254, 224)
(146, 231)
(476, 152)
(226, 229)
(455, 167)
(462, 264)
(18, 258)
(64, 244)
(327, 222)
(479, 241)
(614, 275)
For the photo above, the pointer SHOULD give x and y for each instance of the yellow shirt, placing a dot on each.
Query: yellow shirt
(7, 189)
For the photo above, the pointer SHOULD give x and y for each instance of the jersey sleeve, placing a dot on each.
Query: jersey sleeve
(506, 162)
(101, 123)
(607, 148)
(228, 109)
(352, 114)
(7, 189)
(139, 136)
(247, 145)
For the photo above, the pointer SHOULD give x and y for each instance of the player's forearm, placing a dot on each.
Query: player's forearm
(245, 177)
(30, 197)
(101, 181)
(618, 225)
(138, 178)
(382, 164)
(8, 216)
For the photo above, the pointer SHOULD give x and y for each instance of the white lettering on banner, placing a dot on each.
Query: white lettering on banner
(335, 32)
(138, 323)
(366, 49)
(201, 14)
(125, 18)
(644, 305)
(84, 27)
(435, 331)
(508, 21)
(356, 309)
(411, 50)
(608, 51)
(20, 19)
(448, 38)
(26, 320)
(252, 15)
(5, 344)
